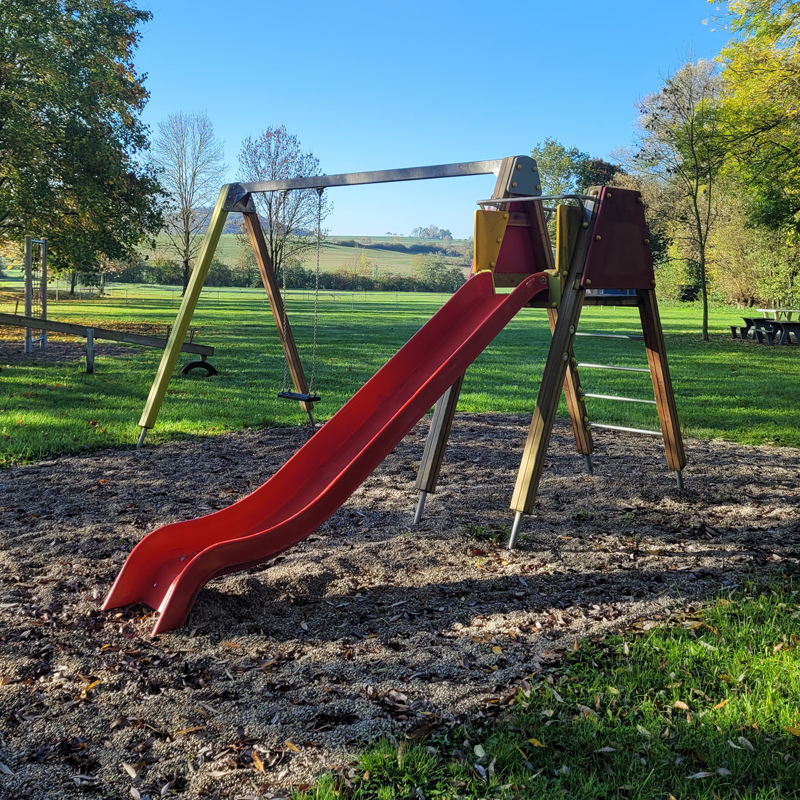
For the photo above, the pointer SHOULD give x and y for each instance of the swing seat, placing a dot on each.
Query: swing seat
(300, 397)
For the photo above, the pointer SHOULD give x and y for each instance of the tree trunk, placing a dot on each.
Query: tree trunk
(704, 292)
(73, 281)
(187, 272)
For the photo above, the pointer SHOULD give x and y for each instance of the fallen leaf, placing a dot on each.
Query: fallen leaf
(479, 751)
(230, 644)
(293, 747)
(605, 750)
(720, 704)
(746, 744)
(793, 731)
(4, 769)
(643, 731)
(190, 730)
(702, 774)
(367, 775)
(129, 769)
(681, 705)
(257, 762)
(536, 743)
(497, 649)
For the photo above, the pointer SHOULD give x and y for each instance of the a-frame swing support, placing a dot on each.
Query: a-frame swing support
(238, 197)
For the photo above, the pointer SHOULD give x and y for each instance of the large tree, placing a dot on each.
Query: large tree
(70, 132)
(762, 106)
(567, 170)
(290, 219)
(681, 145)
(191, 166)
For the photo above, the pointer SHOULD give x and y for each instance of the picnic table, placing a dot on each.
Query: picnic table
(765, 330)
(778, 313)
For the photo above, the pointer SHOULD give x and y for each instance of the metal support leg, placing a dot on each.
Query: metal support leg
(142, 434)
(90, 351)
(420, 507)
(514, 538)
(679, 478)
(589, 467)
(436, 444)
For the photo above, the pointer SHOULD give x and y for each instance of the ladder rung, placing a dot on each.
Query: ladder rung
(610, 335)
(608, 366)
(617, 397)
(627, 430)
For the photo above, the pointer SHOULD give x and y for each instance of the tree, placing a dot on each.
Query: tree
(190, 163)
(565, 170)
(432, 273)
(290, 218)
(70, 132)
(761, 105)
(681, 144)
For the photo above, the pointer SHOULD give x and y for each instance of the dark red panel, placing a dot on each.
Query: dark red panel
(620, 258)
(517, 254)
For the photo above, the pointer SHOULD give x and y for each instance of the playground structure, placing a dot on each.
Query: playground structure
(35, 318)
(602, 257)
(35, 291)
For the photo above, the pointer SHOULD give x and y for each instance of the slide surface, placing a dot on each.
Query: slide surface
(170, 566)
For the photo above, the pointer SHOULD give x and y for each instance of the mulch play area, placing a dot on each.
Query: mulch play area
(369, 628)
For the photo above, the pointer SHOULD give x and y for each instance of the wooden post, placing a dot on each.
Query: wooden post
(662, 382)
(555, 370)
(27, 346)
(270, 282)
(574, 394)
(439, 433)
(170, 357)
(568, 222)
(90, 351)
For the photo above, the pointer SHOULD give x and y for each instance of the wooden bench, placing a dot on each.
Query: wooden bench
(90, 334)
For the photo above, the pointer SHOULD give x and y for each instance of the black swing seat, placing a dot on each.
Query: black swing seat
(300, 397)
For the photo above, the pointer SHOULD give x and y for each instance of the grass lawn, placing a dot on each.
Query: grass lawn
(736, 390)
(704, 707)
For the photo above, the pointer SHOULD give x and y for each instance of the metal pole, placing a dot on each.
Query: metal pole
(512, 541)
(589, 468)
(28, 345)
(420, 507)
(142, 434)
(679, 478)
(43, 291)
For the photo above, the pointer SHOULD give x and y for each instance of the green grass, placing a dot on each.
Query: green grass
(707, 706)
(730, 389)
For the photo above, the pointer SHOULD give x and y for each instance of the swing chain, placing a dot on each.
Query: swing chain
(316, 293)
(284, 322)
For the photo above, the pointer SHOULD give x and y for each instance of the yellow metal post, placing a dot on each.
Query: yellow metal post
(173, 349)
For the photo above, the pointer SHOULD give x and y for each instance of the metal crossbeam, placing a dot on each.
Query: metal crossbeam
(643, 431)
(378, 176)
(610, 336)
(617, 397)
(608, 366)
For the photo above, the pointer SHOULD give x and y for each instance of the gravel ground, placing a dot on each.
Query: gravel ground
(370, 627)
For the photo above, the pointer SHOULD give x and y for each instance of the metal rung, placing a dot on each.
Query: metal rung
(607, 366)
(627, 430)
(609, 335)
(616, 397)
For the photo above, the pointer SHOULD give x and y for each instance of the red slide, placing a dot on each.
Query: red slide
(170, 566)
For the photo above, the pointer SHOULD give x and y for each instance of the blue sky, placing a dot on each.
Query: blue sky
(385, 84)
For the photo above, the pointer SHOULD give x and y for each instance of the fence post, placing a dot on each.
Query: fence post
(90, 351)
(28, 345)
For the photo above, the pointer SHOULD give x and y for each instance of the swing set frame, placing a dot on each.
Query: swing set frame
(238, 197)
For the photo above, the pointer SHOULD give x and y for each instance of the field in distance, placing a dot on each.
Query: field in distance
(351, 251)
